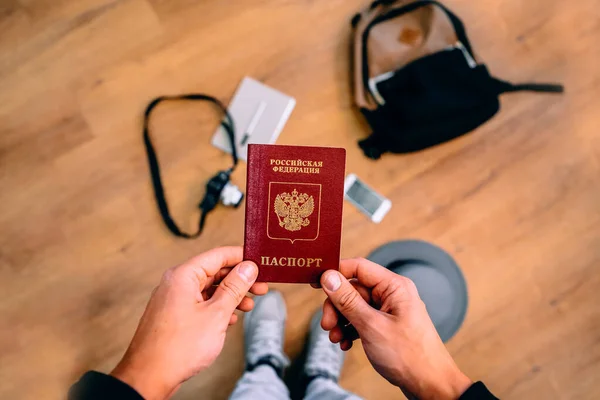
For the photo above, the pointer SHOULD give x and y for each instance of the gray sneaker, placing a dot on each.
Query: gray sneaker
(323, 357)
(264, 332)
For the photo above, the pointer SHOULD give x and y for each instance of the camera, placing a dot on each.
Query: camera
(220, 189)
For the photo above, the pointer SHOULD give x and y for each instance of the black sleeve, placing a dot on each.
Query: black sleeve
(478, 391)
(96, 386)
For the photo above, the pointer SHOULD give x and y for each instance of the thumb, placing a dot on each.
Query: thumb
(346, 299)
(233, 288)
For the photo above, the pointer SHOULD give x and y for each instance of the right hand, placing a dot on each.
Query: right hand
(399, 339)
(185, 323)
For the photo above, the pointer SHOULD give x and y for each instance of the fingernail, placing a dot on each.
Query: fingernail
(332, 281)
(248, 271)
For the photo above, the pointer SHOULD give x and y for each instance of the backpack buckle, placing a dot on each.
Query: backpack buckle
(373, 82)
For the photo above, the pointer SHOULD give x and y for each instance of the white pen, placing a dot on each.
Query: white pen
(252, 125)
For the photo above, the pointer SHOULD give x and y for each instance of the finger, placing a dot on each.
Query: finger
(315, 285)
(336, 335)
(246, 304)
(366, 272)
(391, 294)
(258, 291)
(232, 290)
(343, 332)
(209, 292)
(388, 289)
(363, 291)
(259, 288)
(207, 264)
(346, 345)
(173, 391)
(347, 300)
(218, 277)
(330, 316)
(233, 319)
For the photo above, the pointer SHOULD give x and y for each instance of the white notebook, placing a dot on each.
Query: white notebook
(259, 114)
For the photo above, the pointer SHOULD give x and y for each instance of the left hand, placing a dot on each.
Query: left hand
(384, 310)
(183, 328)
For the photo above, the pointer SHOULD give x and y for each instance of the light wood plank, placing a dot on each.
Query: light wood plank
(82, 245)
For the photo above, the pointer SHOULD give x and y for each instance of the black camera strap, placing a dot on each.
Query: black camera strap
(210, 200)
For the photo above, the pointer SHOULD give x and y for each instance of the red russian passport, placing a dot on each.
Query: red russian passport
(294, 200)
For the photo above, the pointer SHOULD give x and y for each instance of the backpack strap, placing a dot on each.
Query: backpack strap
(506, 87)
(457, 24)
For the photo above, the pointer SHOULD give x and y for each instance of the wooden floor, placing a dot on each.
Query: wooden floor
(81, 243)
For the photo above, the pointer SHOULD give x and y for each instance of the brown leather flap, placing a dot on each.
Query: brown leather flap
(396, 42)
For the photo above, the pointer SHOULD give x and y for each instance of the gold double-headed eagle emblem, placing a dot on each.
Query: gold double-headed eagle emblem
(293, 210)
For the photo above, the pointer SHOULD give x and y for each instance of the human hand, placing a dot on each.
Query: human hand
(399, 339)
(183, 328)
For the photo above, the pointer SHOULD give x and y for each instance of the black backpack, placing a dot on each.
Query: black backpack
(416, 78)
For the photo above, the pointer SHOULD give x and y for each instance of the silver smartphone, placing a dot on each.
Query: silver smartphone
(371, 203)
